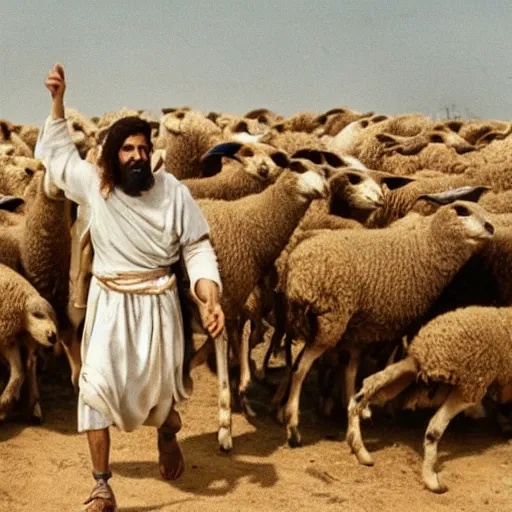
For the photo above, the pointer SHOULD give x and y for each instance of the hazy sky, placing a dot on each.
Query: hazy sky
(391, 56)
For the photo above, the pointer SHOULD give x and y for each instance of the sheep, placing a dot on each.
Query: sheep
(264, 116)
(338, 118)
(186, 136)
(299, 122)
(256, 166)
(349, 140)
(468, 351)
(477, 131)
(16, 173)
(367, 286)
(250, 233)
(9, 137)
(291, 142)
(28, 133)
(23, 311)
(45, 253)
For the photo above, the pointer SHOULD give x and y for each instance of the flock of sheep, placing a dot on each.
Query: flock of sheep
(381, 244)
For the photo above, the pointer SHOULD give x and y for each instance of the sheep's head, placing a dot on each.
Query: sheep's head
(262, 161)
(334, 120)
(465, 218)
(311, 179)
(351, 135)
(41, 321)
(354, 190)
(177, 121)
(264, 116)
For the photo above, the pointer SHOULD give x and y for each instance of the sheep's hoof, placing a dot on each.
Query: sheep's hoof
(37, 414)
(246, 406)
(364, 458)
(225, 440)
(366, 413)
(432, 483)
(294, 437)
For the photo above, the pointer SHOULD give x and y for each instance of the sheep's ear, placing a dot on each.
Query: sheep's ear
(298, 166)
(10, 203)
(378, 119)
(241, 126)
(280, 159)
(5, 130)
(466, 193)
(168, 110)
(455, 126)
(211, 161)
(392, 181)
(312, 155)
(212, 116)
(333, 159)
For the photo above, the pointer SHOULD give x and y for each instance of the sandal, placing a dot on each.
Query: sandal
(102, 499)
(170, 458)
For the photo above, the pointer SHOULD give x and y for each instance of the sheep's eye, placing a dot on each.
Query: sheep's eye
(462, 211)
(354, 179)
(180, 115)
(247, 152)
(38, 315)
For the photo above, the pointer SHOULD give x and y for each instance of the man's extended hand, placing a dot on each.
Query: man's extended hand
(211, 312)
(55, 82)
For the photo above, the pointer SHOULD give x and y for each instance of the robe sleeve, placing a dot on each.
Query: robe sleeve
(193, 231)
(66, 171)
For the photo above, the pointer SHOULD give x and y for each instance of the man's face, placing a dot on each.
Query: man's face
(135, 175)
(134, 148)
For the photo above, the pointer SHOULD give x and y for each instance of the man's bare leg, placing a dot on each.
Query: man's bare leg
(101, 498)
(170, 457)
(99, 446)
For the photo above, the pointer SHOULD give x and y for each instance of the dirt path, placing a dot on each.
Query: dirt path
(47, 468)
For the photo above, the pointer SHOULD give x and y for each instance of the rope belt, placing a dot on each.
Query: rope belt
(150, 282)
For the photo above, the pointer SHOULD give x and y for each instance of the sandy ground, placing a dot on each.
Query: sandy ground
(46, 468)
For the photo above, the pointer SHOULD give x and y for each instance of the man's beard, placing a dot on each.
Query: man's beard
(135, 177)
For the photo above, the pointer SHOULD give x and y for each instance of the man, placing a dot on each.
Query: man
(132, 346)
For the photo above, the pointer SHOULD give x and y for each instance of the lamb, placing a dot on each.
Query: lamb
(338, 285)
(468, 351)
(256, 166)
(23, 311)
(338, 118)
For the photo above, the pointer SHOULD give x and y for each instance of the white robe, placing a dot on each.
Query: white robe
(132, 346)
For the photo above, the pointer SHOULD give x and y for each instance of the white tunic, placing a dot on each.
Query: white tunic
(132, 346)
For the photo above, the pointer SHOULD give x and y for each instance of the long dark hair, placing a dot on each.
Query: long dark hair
(116, 135)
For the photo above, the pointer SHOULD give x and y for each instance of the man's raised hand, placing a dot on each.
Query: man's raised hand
(55, 82)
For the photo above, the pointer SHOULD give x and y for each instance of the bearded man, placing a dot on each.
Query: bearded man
(140, 222)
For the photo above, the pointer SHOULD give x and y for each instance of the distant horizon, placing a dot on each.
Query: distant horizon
(289, 56)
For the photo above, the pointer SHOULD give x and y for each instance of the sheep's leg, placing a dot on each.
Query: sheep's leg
(291, 410)
(245, 373)
(354, 358)
(453, 405)
(279, 330)
(34, 406)
(12, 390)
(221, 354)
(381, 386)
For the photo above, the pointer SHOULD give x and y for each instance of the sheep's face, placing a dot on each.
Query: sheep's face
(176, 121)
(40, 321)
(261, 163)
(7, 149)
(357, 189)
(472, 221)
(312, 179)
